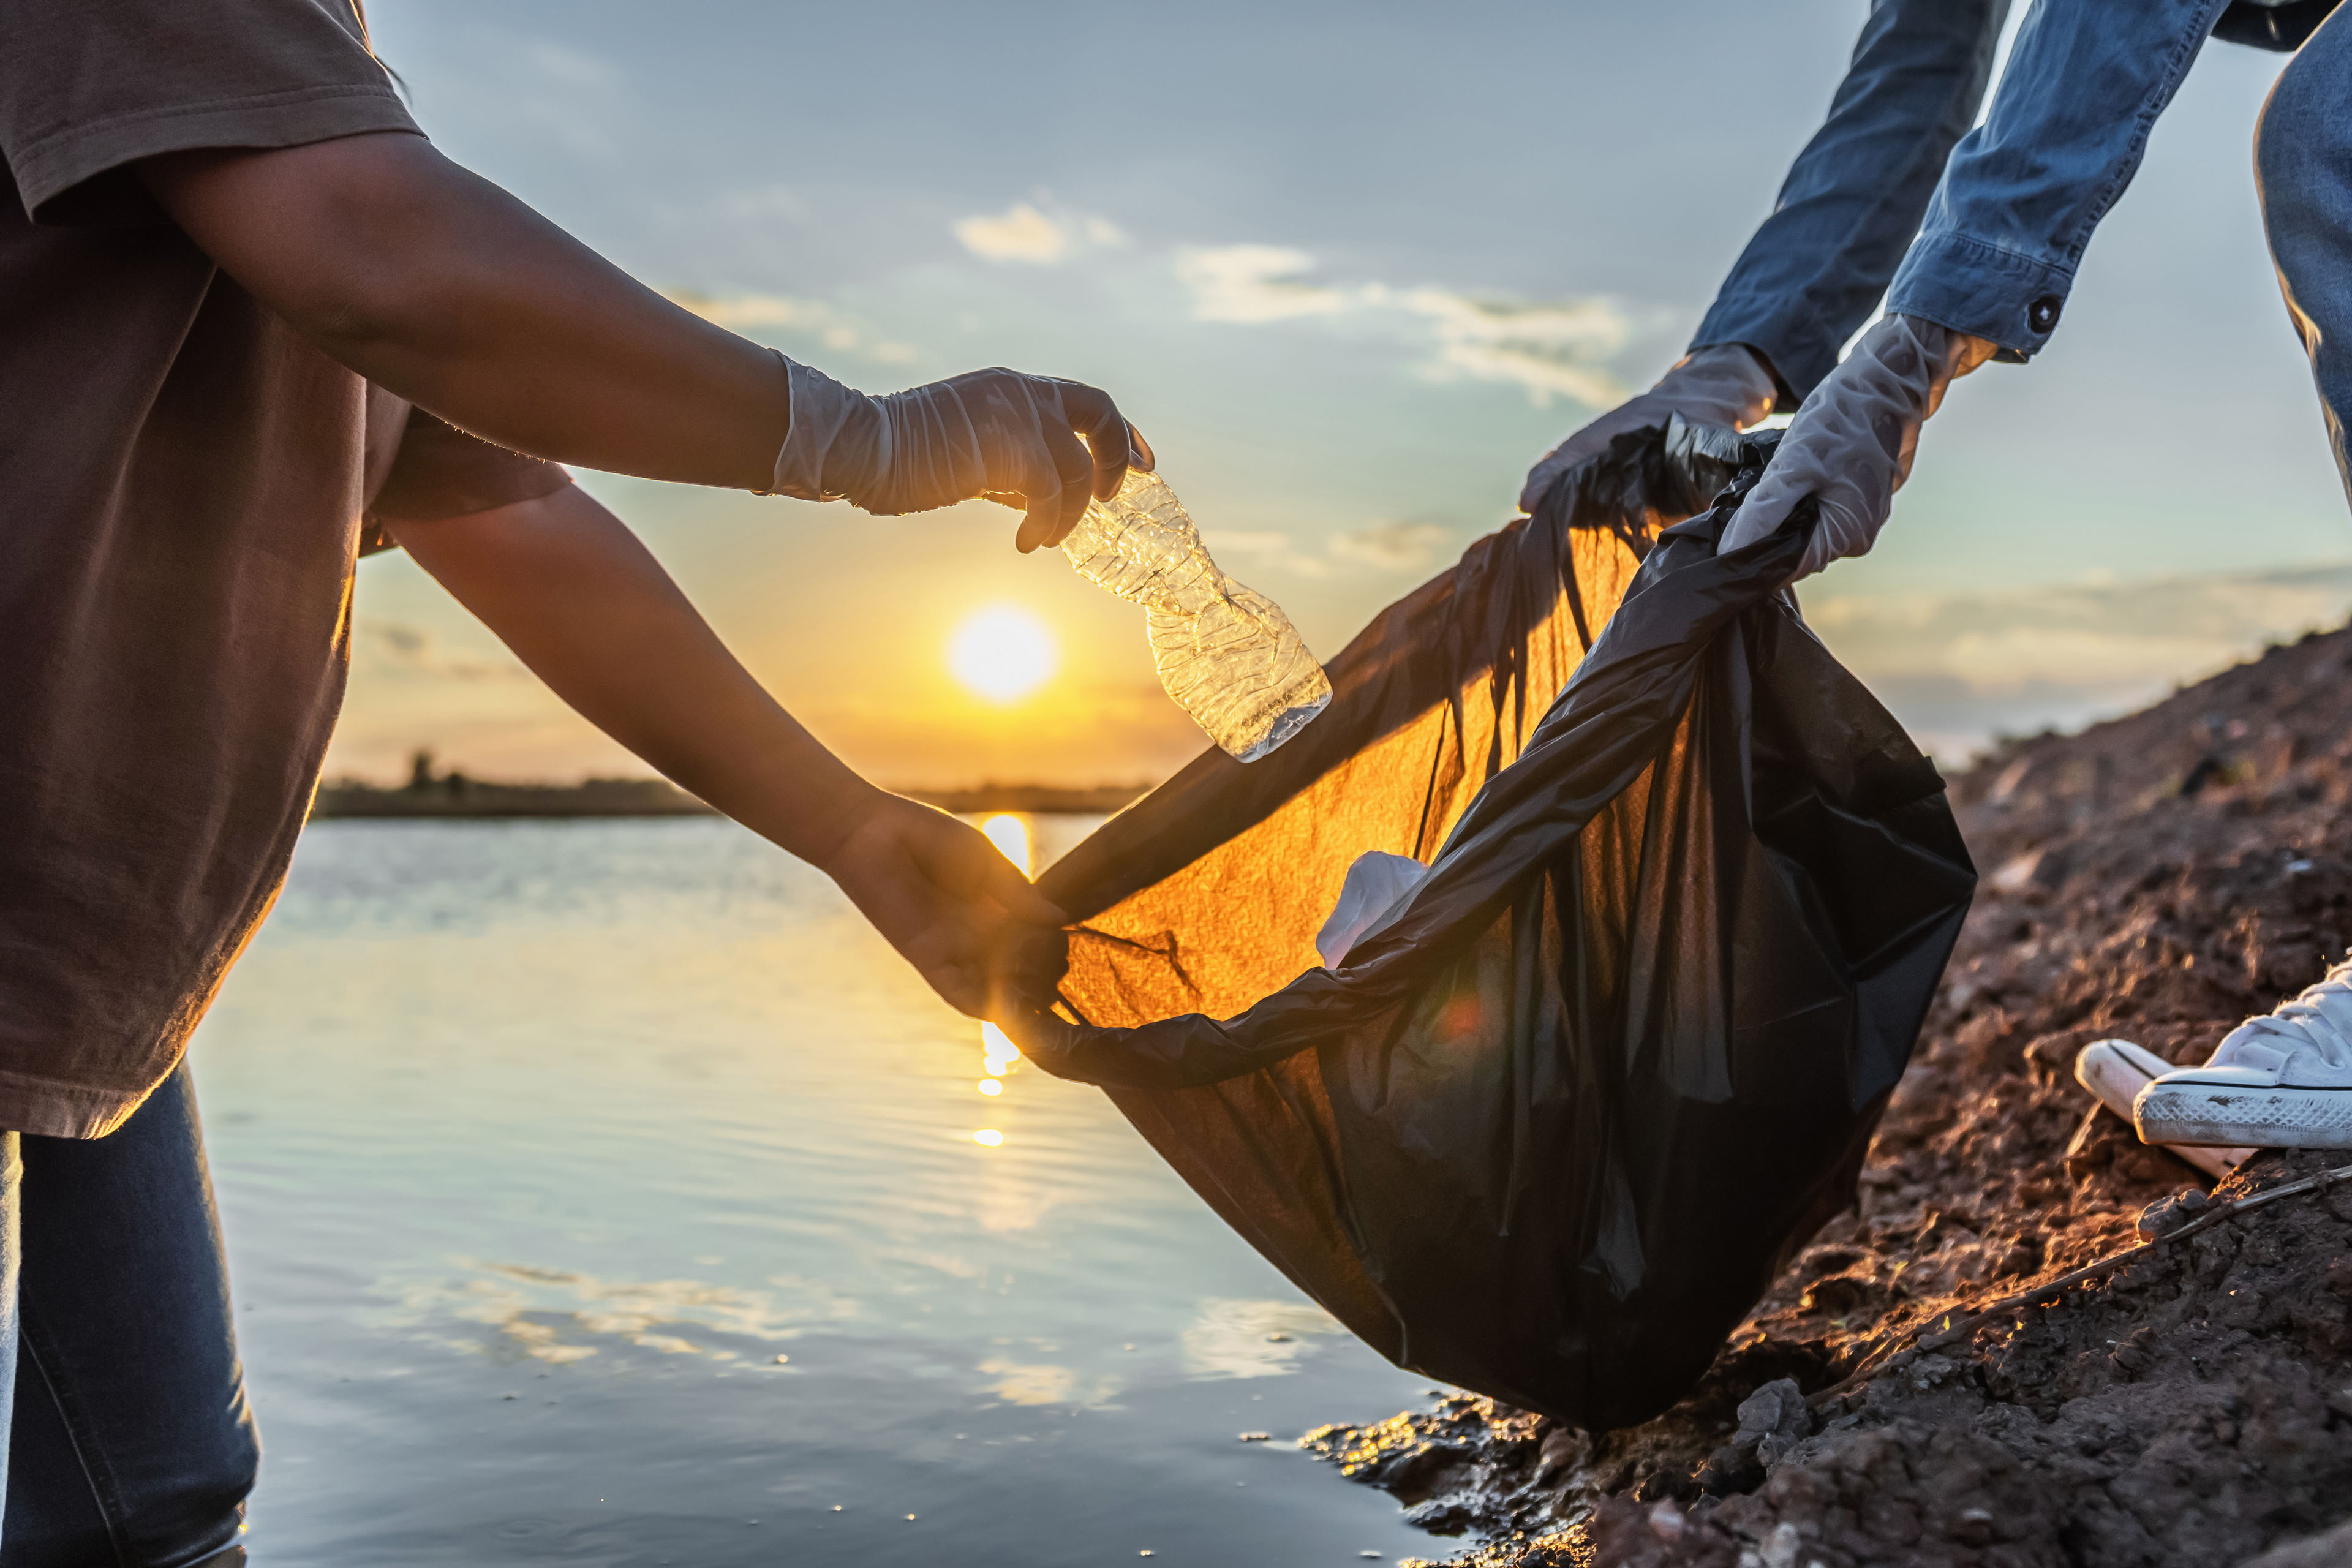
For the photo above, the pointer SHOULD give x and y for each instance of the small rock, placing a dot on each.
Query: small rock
(1441, 1516)
(1773, 1420)
(1563, 1448)
(2136, 1353)
(1930, 1369)
(1973, 1527)
(1256, 1437)
(2166, 1216)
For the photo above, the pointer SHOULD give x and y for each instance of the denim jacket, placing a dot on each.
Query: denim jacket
(2007, 207)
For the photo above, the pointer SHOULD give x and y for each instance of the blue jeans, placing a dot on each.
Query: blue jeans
(131, 1444)
(12, 1248)
(2303, 165)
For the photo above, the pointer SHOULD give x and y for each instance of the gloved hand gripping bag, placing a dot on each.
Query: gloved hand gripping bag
(1550, 1134)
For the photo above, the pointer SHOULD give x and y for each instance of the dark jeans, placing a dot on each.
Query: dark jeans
(131, 1445)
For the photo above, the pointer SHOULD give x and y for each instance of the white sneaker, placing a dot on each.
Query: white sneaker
(2280, 1081)
(2114, 1071)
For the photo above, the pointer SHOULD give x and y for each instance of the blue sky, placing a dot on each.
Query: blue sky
(1351, 267)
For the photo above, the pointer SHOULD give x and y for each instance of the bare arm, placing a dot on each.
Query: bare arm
(441, 287)
(567, 586)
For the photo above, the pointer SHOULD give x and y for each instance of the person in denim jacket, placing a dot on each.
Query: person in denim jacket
(1972, 236)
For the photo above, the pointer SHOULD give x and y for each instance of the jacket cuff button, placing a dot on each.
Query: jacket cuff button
(2042, 314)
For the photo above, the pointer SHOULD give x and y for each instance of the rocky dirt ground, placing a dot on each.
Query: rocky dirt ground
(2156, 878)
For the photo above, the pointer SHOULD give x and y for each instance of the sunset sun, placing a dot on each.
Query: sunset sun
(1003, 653)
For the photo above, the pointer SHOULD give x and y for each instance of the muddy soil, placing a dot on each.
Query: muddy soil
(2156, 878)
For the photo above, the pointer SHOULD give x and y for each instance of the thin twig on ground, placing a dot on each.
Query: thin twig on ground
(1887, 1360)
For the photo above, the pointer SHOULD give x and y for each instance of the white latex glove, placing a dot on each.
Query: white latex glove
(1723, 383)
(993, 433)
(1852, 442)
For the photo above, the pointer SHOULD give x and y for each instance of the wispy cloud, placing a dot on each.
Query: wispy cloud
(1393, 546)
(1257, 283)
(1960, 669)
(1551, 348)
(747, 313)
(1023, 233)
(1388, 547)
(398, 649)
(1560, 349)
(1241, 551)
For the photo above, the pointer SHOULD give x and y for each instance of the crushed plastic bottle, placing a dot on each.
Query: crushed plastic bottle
(1227, 654)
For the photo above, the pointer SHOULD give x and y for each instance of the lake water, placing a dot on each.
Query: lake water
(608, 1194)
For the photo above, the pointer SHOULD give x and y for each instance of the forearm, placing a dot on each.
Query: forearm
(1818, 266)
(576, 596)
(2085, 82)
(440, 286)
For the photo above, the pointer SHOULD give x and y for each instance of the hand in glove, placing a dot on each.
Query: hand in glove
(941, 894)
(1722, 384)
(1852, 442)
(995, 434)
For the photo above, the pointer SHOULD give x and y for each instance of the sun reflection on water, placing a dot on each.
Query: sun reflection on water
(997, 1055)
(1009, 831)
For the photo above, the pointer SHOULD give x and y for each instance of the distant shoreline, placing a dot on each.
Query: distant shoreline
(454, 796)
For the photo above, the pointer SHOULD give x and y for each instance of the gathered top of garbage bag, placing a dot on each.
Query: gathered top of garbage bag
(1571, 1096)
(1208, 893)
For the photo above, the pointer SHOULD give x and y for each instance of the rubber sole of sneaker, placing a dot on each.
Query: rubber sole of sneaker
(2281, 1117)
(2114, 1071)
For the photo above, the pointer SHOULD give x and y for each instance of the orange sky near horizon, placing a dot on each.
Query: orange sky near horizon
(859, 652)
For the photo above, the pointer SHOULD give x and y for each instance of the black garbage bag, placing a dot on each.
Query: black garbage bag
(1550, 1134)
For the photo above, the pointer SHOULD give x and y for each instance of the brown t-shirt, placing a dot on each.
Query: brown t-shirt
(438, 471)
(181, 483)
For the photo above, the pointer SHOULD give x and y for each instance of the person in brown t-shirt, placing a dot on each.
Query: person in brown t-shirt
(217, 226)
